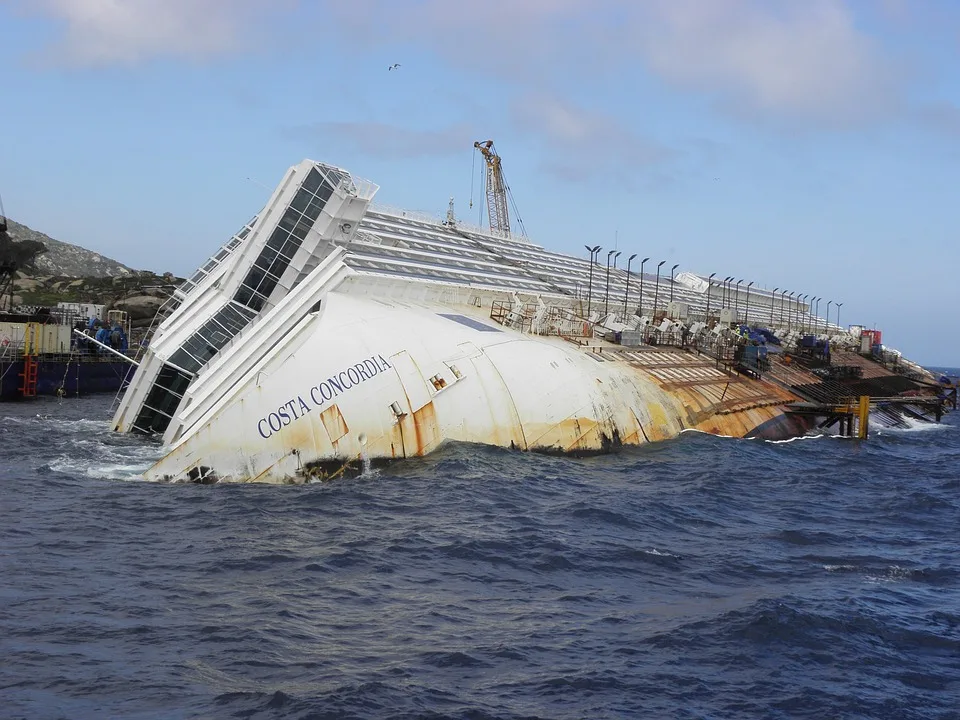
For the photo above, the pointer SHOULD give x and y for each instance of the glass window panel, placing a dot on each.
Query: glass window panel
(277, 238)
(289, 219)
(268, 286)
(313, 180)
(267, 257)
(185, 358)
(254, 277)
(303, 227)
(163, 400)
(243, 295)
(334, 177)
(278, 268)
(313, 209)
(234, 317)
(290, 248)
(301, 199)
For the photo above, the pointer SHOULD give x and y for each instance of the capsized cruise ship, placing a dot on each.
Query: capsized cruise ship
(328, 331)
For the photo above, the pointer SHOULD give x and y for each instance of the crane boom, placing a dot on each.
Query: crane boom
(497, 212)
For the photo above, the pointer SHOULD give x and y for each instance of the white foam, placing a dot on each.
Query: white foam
(817, 436)
(658, 553)
(809, 436)
(102, 470)
(894, 573)
(704, 432)
(914, 425)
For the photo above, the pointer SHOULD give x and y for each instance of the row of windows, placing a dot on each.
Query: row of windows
(438, 260)
(430, 244)
(445, 274)
(216, 332)
(174, 378)
(526, 253)
(567, 272)
(217, 258)
(262, 279)
(564, 271)
(472, 269)
(404, 230)
(425, 274)
(163, 400)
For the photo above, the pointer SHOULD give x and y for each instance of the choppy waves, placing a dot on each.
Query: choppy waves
(701, 577)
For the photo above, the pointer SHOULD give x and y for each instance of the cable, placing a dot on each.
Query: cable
(473, 170)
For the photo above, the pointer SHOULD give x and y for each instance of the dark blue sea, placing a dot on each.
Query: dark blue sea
(702, 577)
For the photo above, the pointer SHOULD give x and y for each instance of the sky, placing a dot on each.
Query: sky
(811, 145)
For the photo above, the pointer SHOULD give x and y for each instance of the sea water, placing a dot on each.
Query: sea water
(701, 577)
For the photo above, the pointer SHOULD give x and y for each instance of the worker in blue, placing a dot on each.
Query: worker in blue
(103, 336)
(118, 338)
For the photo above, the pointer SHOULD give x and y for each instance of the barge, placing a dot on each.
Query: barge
(42, 354)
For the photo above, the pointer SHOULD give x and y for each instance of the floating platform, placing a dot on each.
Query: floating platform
(63, 375)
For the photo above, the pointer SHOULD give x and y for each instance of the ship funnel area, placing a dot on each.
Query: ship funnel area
(315, 208)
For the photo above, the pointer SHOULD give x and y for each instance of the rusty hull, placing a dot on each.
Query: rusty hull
(705, 397)
(563, 398)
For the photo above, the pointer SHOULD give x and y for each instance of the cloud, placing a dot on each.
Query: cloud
(518, 41)
(805, 61)
(388, 141)
(105, 32)
(580, 144)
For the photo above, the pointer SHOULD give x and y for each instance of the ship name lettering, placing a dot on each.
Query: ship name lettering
(322, 392)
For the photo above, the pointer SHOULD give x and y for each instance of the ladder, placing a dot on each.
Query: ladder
(31, 338)
(28, 388)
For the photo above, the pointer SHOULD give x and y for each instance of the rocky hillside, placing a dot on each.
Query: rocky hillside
(66, 260)
(141, 293)
(69, 273)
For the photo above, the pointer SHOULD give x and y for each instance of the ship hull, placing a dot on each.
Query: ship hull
(64, 377)
(362, 378)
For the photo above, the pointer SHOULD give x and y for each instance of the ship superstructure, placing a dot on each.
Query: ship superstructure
(328, 329)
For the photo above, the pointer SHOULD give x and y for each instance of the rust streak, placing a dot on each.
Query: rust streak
(425, 430)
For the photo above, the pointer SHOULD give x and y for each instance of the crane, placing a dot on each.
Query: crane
(496, 189)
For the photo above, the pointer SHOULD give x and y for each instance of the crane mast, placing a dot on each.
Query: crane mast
(497, 212)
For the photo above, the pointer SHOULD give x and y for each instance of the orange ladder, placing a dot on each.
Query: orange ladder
(29, 375)
(30, 364)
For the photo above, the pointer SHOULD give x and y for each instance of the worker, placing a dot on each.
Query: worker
(118, 338)
(102, 336)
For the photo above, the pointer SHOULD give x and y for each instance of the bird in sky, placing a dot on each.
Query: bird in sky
(394, 66)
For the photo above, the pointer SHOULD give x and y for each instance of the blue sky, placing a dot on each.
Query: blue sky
(809, 145)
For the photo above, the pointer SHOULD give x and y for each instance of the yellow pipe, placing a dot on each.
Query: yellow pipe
(864, 413)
